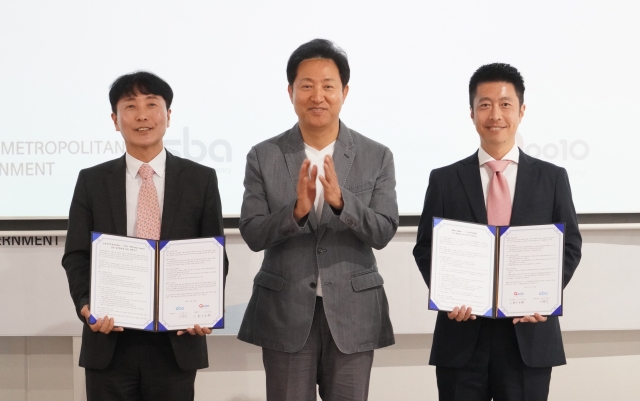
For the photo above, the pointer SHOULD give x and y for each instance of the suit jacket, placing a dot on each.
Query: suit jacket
(336, 246)
(191, 209)
(542, 196)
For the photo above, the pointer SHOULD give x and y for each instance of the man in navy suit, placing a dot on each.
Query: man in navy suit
(503, 359)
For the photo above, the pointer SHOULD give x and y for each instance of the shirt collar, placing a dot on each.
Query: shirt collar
(513, 155)
(158, 164)
(326, 149)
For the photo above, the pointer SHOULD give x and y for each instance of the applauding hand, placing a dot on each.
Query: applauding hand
(332, 191)
(306, 190)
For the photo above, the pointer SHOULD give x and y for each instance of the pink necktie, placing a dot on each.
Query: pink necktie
(499, 199)
(148, 215)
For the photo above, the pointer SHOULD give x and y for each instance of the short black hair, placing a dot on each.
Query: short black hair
(139, 82)
(319, 49)
(496, 72)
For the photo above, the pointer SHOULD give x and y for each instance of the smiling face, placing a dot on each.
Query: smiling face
(317, 95)
(142, 120)
(496, 114)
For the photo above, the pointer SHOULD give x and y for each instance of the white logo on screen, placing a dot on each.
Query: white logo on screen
(562, 149)
(218, 150)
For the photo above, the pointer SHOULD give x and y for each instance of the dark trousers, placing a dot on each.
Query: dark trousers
(339, 376)
(143, 368)
(495, 370)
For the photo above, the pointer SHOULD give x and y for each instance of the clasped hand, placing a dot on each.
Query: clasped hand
(103, 325)
(307, 187)
(463, 313)
(530, 319)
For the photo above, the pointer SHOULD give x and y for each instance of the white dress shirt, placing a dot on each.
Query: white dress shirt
(316, 157)
(134, 182)
(510, 173)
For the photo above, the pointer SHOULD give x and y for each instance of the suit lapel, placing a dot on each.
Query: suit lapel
(294, 156)
(469, 175)
(524, 186)
(343, 157)
(117, 190)
(172, 194)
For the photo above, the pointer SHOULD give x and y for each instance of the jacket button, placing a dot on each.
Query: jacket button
(350, 223)
(312, 285)
(320, 250)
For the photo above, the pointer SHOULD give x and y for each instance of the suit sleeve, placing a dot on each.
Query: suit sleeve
(260, 227)
(564, 211)
(376, 224)
(76, 258)
(212, 222)
(433, 206)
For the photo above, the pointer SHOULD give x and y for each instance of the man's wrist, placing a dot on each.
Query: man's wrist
(298, 215)
(337, 208)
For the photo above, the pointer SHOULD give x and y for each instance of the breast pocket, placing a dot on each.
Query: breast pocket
(362, 191)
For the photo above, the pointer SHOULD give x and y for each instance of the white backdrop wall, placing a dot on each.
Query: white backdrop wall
(602, 363)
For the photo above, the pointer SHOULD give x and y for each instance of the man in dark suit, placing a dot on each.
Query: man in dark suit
(182, 201)
(503, 359)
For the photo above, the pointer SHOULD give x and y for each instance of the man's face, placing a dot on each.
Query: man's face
(496, 113)
(142, 120)
(317, 94)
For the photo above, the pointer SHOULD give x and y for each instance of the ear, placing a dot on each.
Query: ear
(471, 111)
(290, 90)
(168, 117)
(345, 92)
(114, 117)
(522, 108)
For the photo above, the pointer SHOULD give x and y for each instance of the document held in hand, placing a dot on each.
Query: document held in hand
(498, 271)
(157, 285)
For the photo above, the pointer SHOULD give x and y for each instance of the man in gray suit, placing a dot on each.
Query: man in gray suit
(317, 199)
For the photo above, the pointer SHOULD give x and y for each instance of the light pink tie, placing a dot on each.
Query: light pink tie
(499, 199)
(148, 215)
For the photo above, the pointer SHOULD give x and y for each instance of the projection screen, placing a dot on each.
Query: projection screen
(410, 66)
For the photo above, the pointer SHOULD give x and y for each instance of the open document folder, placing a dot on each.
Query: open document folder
(157, 285)
(497, 271)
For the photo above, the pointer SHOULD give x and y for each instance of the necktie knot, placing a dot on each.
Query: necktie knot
(498, 166)
(146, 171)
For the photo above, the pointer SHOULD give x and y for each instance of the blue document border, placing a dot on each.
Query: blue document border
(219, 324)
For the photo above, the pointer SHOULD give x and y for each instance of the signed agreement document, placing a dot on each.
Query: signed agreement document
(157, 285)
(497, 271)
